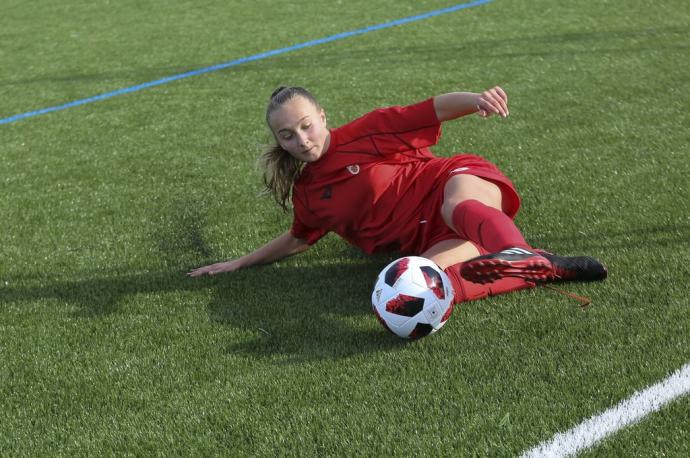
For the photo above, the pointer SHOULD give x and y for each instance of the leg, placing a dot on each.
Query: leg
(450, 255)
(473, 208)
(468, 187)
(449, 252)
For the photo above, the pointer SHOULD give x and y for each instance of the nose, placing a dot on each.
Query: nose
(303, 140)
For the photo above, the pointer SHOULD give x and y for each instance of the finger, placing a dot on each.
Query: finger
(489, 105)
(501, 102)
(485, 110)
(498, 102)
(198, 272)
(502, 93)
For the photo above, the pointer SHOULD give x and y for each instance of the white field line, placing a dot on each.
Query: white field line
(627, 412)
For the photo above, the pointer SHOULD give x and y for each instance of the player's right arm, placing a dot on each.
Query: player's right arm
(281, 247)
(456, 104)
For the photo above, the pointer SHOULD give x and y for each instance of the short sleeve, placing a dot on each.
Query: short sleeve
(309, 234)
(393, 129)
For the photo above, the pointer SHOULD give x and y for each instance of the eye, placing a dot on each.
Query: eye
(286, 136)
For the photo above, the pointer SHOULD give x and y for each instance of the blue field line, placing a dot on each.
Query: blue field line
(243, 60)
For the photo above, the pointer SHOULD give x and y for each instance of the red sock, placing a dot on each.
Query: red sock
(486, 226)
(466, 290)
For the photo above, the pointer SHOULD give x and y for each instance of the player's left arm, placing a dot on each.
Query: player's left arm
(457, 104)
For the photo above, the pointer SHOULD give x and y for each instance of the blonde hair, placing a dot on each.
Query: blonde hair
(281, 169)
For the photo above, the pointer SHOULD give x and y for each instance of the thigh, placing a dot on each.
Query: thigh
(449, 252)
(463, 187)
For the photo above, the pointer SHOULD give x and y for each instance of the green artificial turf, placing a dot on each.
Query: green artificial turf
(107, 348)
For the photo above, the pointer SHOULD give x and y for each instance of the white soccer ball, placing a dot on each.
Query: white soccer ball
(412, 297)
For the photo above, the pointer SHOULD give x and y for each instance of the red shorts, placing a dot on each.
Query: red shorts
(435, 229)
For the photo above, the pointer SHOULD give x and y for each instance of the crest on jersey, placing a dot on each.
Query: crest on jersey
(353, 169)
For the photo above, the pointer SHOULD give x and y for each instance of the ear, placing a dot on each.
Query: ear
(323, 116)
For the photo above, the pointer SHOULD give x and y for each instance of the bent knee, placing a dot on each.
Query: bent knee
(460, 188)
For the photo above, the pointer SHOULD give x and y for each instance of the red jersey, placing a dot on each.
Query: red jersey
(377, 184)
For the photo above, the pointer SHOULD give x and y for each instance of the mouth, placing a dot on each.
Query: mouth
(310, 155)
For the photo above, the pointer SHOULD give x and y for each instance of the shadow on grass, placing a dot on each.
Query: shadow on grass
(288, 313)
(98, 295)
(302, 313)
(294, 313)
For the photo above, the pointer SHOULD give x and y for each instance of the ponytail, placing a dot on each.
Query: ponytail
(281, 169)
(280, 173)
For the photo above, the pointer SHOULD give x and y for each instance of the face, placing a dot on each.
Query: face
(300, 128)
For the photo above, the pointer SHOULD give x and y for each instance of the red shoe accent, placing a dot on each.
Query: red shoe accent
(492, 267)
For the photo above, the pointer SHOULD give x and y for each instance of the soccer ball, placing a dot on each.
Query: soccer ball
(412, 297)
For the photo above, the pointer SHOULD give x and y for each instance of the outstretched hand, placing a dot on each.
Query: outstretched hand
(217, 268)
(492, 101)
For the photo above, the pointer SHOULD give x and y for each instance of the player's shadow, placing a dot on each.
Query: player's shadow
(317, 310)
(97, 294)
(302, 313)
(295, 313)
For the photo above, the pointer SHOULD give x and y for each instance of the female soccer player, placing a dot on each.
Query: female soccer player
(374, 182)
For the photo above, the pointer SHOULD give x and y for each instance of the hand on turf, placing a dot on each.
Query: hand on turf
(217, 268)
(492, 101)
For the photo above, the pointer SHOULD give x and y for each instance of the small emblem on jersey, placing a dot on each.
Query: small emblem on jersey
(353, 169)
(327, 192)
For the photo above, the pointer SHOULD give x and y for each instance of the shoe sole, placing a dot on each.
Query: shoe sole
(489, 270)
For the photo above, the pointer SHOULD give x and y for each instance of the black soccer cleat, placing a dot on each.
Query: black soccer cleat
(513, 262)
(575, 268)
